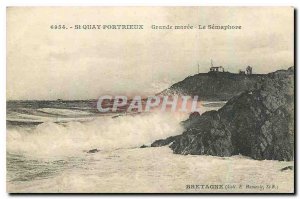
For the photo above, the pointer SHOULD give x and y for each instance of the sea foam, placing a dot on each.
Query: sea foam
(103, 133)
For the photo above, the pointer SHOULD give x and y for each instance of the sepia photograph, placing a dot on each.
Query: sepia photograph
(151, 99)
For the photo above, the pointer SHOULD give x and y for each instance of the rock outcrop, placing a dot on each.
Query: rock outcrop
(163, 142)
(215, 85)
(93, 151)
(287, 168)
(258, 123)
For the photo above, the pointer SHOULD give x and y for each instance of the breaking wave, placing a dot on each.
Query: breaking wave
(105, 133)
(64, 112)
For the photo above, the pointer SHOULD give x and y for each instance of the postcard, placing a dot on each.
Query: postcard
(150, 100)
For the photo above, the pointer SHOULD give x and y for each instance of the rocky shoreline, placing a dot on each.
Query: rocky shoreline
(258, 123)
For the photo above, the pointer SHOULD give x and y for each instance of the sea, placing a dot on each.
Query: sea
(70, 147)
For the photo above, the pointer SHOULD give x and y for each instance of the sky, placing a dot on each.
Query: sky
(43, 63)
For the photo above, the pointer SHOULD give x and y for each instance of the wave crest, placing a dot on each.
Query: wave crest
(105, 133)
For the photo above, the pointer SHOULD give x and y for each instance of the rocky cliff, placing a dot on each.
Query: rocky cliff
(258, 123)
(215, 85)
